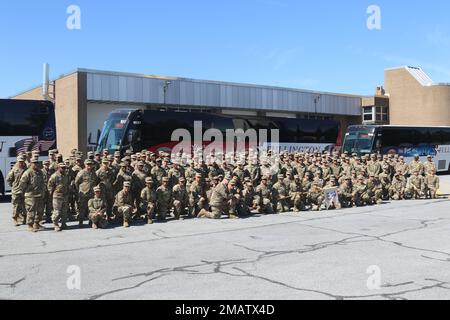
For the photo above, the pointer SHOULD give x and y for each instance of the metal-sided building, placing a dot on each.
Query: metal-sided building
(84, 98)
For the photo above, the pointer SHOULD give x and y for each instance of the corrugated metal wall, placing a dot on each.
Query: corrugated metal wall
(116, 87)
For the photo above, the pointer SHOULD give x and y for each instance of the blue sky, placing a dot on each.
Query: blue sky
(318, 45)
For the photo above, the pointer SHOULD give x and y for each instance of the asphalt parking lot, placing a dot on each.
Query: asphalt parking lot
(398, 250)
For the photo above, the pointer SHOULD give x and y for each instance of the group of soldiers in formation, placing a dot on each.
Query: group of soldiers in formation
(106, 188)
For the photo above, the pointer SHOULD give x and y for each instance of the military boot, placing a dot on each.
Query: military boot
(16, 222)
(37, 227)
(57, 227)
(94, 226)
(30, 228)
(126, 224)
(150, 221)
(63, 226)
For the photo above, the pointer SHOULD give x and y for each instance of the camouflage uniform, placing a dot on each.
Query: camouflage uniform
(18, 201)
(33, 185)
(59, 189)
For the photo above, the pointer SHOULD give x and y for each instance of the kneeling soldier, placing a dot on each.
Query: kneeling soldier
(163, 199)
(180, 198)
(97, 210)
(123, 205)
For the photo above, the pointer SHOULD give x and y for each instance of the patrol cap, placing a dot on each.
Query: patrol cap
(110, 158)
(90, 154)
(46, 162)
(280, 176)
(34, 160)
(265, 178)
(148, 180)
(165, 179)
(88, 162)
(429, 157)
(63, 166)
(227, 176)
(105, 161)
(183, 179)
(123, 165)
(141, 164)
(348, 178)
(296, 177)
(127, 184)
(233, 182)
(117, 154)
(98, 153)
(20, 159)
(216, 178)
(97, 189)
(198, 175)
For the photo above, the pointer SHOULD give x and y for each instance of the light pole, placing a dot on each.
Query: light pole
(316, 101)
(166, 86)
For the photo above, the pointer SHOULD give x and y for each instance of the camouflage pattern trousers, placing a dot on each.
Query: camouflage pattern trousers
(35, 209)
(83, 199)
(60, 210)
(18, 204)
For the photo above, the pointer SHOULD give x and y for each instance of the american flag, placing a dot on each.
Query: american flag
(34, 144)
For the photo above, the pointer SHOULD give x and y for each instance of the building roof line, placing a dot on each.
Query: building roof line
(137, 75)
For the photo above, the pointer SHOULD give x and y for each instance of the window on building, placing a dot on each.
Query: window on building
(382, 114)
(368, 114)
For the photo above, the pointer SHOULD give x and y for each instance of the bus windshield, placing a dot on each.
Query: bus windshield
(359, 140)
(112, 134)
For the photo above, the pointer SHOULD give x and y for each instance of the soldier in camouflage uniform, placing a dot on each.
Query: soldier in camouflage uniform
(429, 166)
(265, 196)
(106, 179)
(398, 185)
(18, 201)
(431, 184)
(180, 198)
(148, 200)
(220, 198)
(315, 195)
(163, 199)
(85, 182)
(59, 190)
(123, 206)
(416, 185)
(297, 194)
(47, 198)
(346, 193)
(249, 204)
(197, 196)
(33, 185)
(280, 195)
(375, 189)
(97, 210)
(361, 195)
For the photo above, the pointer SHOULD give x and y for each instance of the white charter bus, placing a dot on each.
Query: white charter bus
(25, 125)
(402, 140)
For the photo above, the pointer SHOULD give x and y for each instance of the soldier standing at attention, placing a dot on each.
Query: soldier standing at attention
(85, 182)
(123, 206)
(58, 189)
(106, 179)
(163, 199)
(13, 179)
(33, 185)
(148, 200)
(429, 165)
(47, 198)
(97, 210)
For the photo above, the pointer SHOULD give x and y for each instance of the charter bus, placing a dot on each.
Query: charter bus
(152, 130)
(25, 125)
(405, 141)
